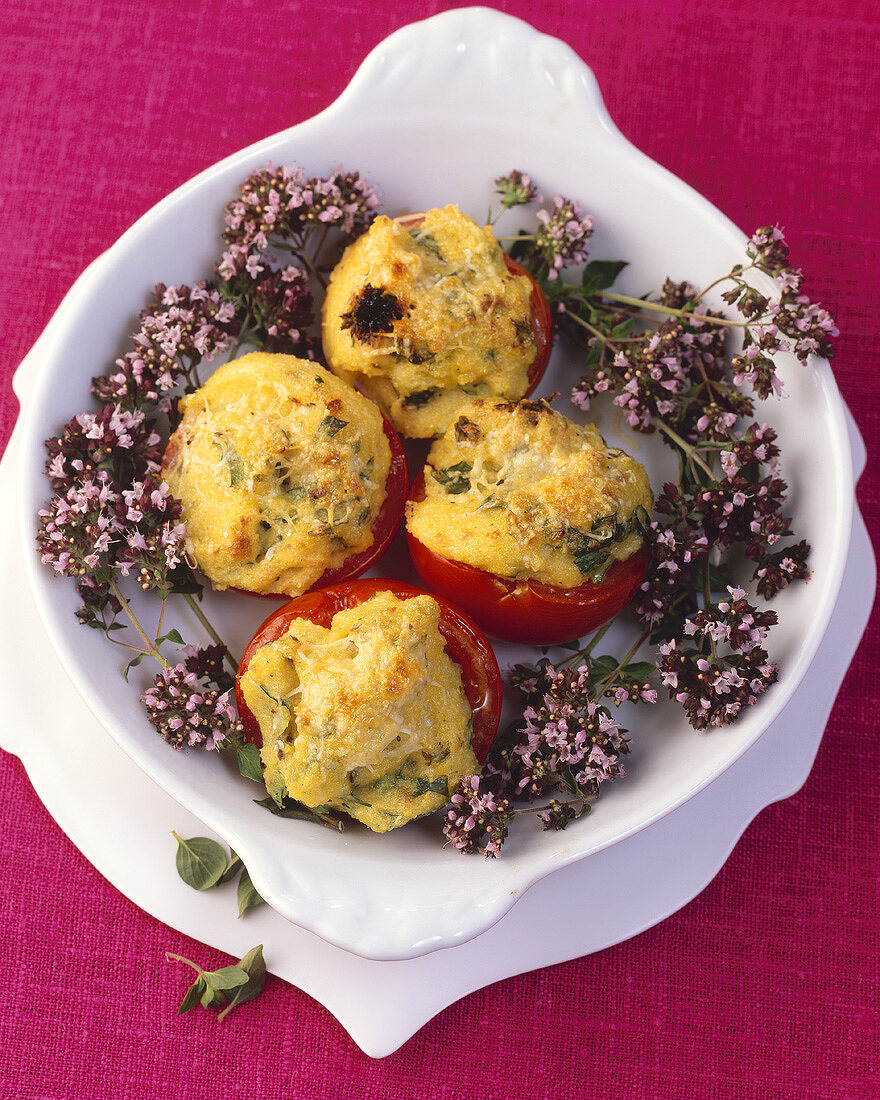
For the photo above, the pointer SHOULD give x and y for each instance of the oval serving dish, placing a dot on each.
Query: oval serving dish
(403, 895)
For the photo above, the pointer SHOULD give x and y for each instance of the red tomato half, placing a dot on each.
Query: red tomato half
(385, 524)
(541, 318)
(527, 611)
(465, 644)
(542, 327)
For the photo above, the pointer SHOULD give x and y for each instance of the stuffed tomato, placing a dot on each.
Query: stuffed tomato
(371, 697)
(289, 478)
(529, 522)
(426, 311)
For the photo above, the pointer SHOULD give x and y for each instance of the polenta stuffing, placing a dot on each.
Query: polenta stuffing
(281, 469)
(368, 717)
(424, 319)
(521, 491)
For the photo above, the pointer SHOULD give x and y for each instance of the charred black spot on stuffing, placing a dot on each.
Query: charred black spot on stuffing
(534, 410)
(422, 397)
(523, 331)
(466, 430)
(373, 311)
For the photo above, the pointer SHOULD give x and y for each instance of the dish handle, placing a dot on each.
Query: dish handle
(472, 52)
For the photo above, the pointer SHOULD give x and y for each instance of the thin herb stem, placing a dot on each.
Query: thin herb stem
(161, 616)
(656, 307)
(307, 260)
(546, 806)
(151, 649)
(200, 615)
(723, 279)
(601, 335)
(589, 647)
(319, 247)
(684, 446)
(243, 338)
(127, 645)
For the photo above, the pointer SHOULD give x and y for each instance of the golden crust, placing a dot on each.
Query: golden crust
(368, 717)
(281, 469)
(519, 490)
(423, 319)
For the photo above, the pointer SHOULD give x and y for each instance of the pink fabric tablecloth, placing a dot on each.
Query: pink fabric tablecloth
(764, 986)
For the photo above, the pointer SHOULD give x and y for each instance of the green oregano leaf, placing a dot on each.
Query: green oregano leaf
(331, 425)
(639, 670)
(235, 865)
(606, 662)
(201, 862)
(454, 479)
(249, 762)
(248, 897)
(255, 968)
(133, 663)
(600, 275)
(227, 977)
(192, 997)
(436, 786)
(287, 807)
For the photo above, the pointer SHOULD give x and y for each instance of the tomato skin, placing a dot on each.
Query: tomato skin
(385, 525)
(465, 643)
(528, 611)
(541, 317)
(542, 326)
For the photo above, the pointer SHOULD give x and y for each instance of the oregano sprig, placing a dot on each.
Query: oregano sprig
(227, 987)
(663, 360)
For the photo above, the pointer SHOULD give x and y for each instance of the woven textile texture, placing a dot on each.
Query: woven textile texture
(767, 984)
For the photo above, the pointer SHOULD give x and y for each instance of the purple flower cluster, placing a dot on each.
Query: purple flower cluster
(679, 552)
(724, 668)
(565, 732)
(92, 530)
(276, 303)
(180, 327)
(567, 741)
(742, 507)
(277, 210)
(186, 706)
(77, 531)
(561, 237)
(114, 441)
(476, 819)
(776, 570)
(665, 378)
(283, 203)
(788, 322)
(152, 537)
